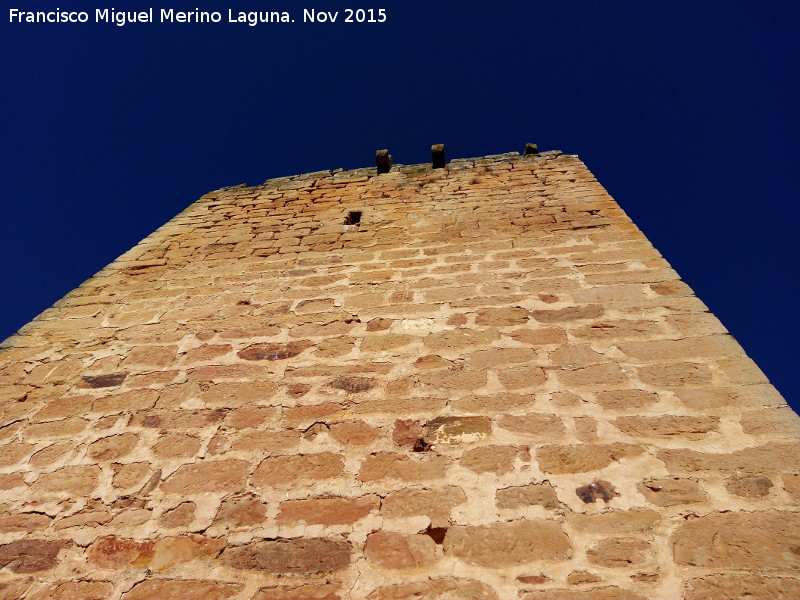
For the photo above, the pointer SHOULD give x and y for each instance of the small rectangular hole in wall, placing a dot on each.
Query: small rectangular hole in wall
(353, 217)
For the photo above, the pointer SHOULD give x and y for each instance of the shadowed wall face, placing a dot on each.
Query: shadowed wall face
(478, 381)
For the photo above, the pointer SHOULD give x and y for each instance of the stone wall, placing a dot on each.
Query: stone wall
(490, 387)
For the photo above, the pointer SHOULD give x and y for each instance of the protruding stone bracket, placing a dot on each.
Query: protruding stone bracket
(383, 161)
(531, 149)
(437, 156)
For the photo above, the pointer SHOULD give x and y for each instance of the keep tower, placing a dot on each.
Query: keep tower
(465, 380)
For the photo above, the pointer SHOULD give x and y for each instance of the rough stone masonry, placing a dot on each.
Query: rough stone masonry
(471, 382)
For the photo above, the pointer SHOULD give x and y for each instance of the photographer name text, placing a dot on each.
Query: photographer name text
(170, 15)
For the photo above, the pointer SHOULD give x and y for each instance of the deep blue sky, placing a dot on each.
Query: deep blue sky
(687, 112)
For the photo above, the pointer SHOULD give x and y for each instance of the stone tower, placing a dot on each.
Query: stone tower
(474, 381)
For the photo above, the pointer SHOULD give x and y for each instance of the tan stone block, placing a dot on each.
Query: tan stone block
(24, 522)
(113, 447)
(539, 427)
(576, 355)
(572, 313)
(756, 486)
(129, 475)
(672, 491)
(454, 380)
(734, 586)
(31, 555)
(791, 483)
(436, 503)
(507, 544)
(249, 417)
(239, 394)
(11, 454)
(288, 469)
(489, 459)
(64, 407)
(176, 445)
(151, 356)
(739, 540)
(688, 427)
(541, 494)
(354, 433)
(75, 480)
(179, 517)
(382, 343)
(502, 317)
(328, 511)
(759, 459)
(500, 357)
(673, 375)
(494, 403)
(390, 550)
(448, 294)
(132, 401)
(633, 399)
(66, 428)
(74, 590)
(615, 521)
(595, 375)
(15, 589)
(182, 589)
(583, 458)
(313, 591)
(618, 330)
(87, 518)
(780, 420)
(692, 347)
(455, 340)
(610, 592)
(435, 589)
(172, 420)
(539, 337)
(755, 396)
(387, 465)
(620, 553)
(299, 556)
(241, 511)
(212, 476)
(523, 376)
(205, 353)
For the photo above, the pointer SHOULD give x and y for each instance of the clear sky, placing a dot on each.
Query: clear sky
(687, 112)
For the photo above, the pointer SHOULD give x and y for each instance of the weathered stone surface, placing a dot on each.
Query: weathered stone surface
(113, 446)
(542, 494)
(507, 544)
(741, 585)
(620, 552)
(311, 591)
(387, 465)
(157, 555)
(626, 400)
(578, 577)
(299, 556)
(279, 351)
(602, 593)
(182, 589)
(391, 550)
(756, 486)
(502, 317)
(436, 589)
(537, 427)
(287, 469)
(241, 511)
(688, 427)
(593, 375)
(328, 511)
(672, 375)
(672, 491)
(208, 476)
(352, 384)
(354, 433)
(580, 459)
(781, 420)
(75, 590)
(131, 474)
(573, 313)
(27, 522)
(436, 503)
(79, 480)
(176, 445)
(791, 483)
(760, 459)
(615, 521)
(489, 459)
(455, 430)
(15, 588)
(180, 516)
(740, 540)
(30, 555)
(521, 376)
